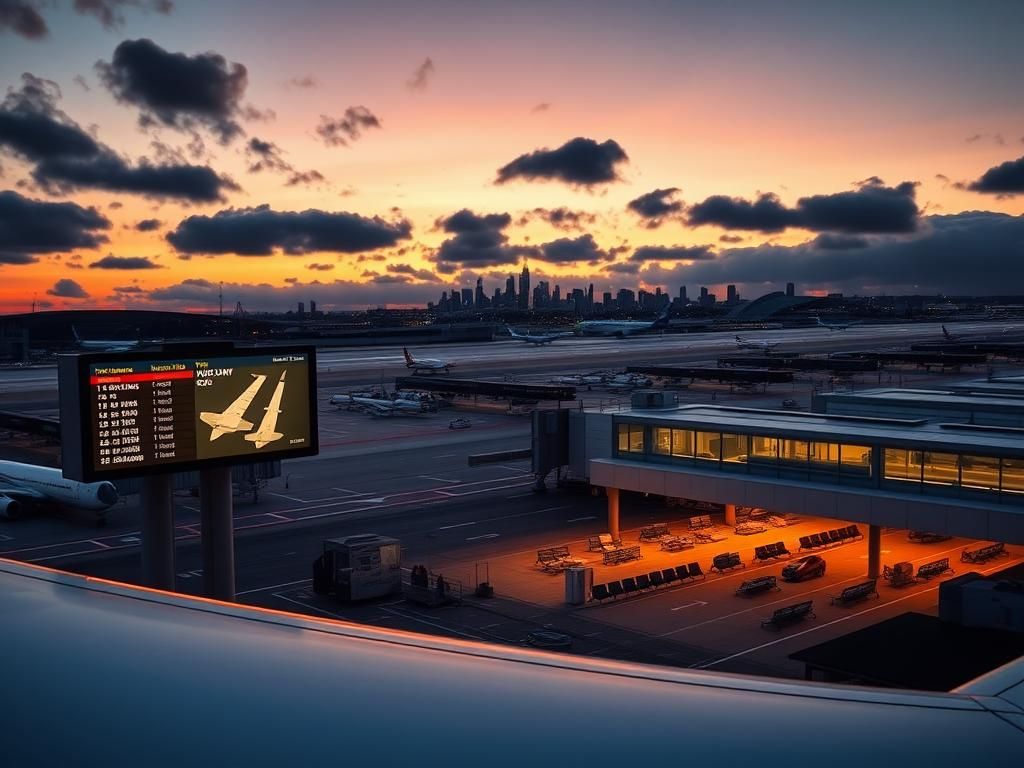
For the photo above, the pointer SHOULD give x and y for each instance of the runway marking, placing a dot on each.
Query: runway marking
(709, 664)
(688, 605)
(290, 498)
(280, 517)
(581, 519)
(275, 586)
(520, 495)
(484, 536)
(125, 539)
(446, 456)
(415, 617)
(554, 509)
(189, 508)
(346, 490)
(99, 544)
(308, 606)
(439, 479)
(456, 525)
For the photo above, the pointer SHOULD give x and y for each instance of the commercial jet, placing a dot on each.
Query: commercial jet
(379, 406)
(538, 338)
(29, 484)
(426, 363)
(280, 674)
(836, 325)
(230, 420)
(621, 328)
(763, 344)
(267, 433)
(105, 345)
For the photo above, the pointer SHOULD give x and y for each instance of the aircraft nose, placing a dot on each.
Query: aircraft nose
(107, 493)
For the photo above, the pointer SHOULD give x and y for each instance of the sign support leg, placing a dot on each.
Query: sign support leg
(157, 532)
(215, 509)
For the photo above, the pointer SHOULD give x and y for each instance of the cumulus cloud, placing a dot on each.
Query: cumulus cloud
(338, 132)
(306, 81)
(305, 178)
(318, 267)
(560, 218)
(177, 90)
(730, 239)
(422, 76)
(672, 253)
(109, 11)
(125, 262)
(479, 241)
(1004, 179)
(22, 17)
(654, 208)
(131, 289)
(265, 156)
(67, 288)
(66, 157)
(29, 227)
(148, 225)
(579, 162)
(413, 272)
(263, 231)
(568, 250)
(871, 208)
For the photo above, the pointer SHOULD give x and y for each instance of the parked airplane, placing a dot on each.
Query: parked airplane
(31, 484)
(836, 325)
(538, 338)
(148, 651)
(762, 344)
(267, 433)
(621, 328)
(377, 406)
(105, 345)
(426, 363)
(230, 419)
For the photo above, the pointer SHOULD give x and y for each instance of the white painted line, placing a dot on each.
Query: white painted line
(99, 544)
(307, 606)
(446, 456)
(581, 519)
(456, 525)
(131, 539)
(346, 490)
(275, 586)
(290, 498)
(440, 479)
(555, 509)
(520, 495)
(484, 536)
(491, 626)
(414, 617)
(280, 517)
(688, 605)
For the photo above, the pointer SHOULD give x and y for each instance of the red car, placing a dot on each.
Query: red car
(805, 568)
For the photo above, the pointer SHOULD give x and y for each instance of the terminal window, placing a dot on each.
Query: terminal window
(631, 438)
(979, 472)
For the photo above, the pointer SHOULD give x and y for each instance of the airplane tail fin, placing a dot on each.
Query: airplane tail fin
(262, 438)
(946, 333)
(243, 424)
(408, 358)
(662, 320)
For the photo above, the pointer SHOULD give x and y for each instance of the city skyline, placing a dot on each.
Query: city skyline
(153, 157)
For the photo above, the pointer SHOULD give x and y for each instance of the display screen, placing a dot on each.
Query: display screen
(156, 413)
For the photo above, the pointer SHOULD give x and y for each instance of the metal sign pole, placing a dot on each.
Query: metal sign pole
(218, 546)
(157, 532)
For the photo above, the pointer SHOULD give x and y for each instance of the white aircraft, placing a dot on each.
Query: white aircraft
(426, 364)
(105, 345)
(267, 433)
(538, 338)
(31, 484)
(836, 325)
(621, 328)
(230, 420)
(383, 407)
(762, 344)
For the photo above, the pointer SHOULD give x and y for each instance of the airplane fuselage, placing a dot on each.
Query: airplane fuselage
(53, 486)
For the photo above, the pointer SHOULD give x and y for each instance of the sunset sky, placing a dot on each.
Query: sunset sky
(376, 153)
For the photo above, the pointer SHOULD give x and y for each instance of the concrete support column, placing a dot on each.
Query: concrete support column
(874, 551)
(156, 496)
(218, 530)
(613, 512)
(730, 514)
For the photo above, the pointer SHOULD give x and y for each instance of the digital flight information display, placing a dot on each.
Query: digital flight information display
(142, 414)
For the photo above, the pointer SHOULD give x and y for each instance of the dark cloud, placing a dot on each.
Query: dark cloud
(125, 262)
(148, 225)
(67, 288)
(871, 208)
(411, 271)
(624, 268)
(567, 250)
(731, 239)
(580, 162)
(177, 90)
(422, 76)
(830, 242)
(672, 253)
(265, 156)
(306, 81)
(657, 206)
(338, 132)
(109, 11)
(1004, 179)
(318, 267)
(66, 157)
(29, 227)
(996, 138)
(305, 178)
(391, 279)
(560, 218)
(133, 289)
(262, 231)
(22, 17)
(968, 253)
(478, 242)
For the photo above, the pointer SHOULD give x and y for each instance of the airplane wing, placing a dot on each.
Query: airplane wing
(21, 492)
(267, 430)
(244, 400)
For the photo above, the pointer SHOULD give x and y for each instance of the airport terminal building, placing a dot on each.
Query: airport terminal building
(924, 460)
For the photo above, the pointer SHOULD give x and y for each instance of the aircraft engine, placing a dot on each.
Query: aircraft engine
(9, 508)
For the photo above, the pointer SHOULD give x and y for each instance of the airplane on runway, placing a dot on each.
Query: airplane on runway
(836, 325)
(538, 338)
(621, 328)
(267, 433)
(105, 345)
(379, 406)
(34, 485)
(762, 344)
(230, 419)
(426, 363)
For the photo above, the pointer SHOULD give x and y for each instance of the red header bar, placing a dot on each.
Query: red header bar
(128, 378)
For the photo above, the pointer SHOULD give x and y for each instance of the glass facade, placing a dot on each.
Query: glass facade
(929, 472)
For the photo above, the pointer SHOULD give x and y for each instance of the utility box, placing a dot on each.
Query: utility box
(359, 567)
(578, 584)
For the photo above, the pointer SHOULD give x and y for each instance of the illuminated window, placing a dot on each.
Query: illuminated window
(793, 451)
(979, 472)
(855, 460)
(824, 455)
(900, 465)
(941, 468)
(662, 441)
(764, 448)
(735, 448)
(709, 445)
(682, 443)
(1013, 475)
(631, 438)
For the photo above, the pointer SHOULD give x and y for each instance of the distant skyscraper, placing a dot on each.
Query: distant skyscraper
(481, 300)
(556, 295)
(590, 299)
(625, 299)
(730, 294)
(790, 289)
(541, 295)
(524, 288)
(606, 300)
(302, 309)
(510, 291)
(312, 308)
(682, 294)
(467, 298)
(703, 294)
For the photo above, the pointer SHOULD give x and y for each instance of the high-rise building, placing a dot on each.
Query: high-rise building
(312, 308)
(606, 301)
(731, 297)
(790, 289)
(541, 295)
(682, 295)
(524, 288)
(302, 309)
(625, 299)
(703, 294)
(579, 301)
(467, 298)
(481, 300)
(510, 291)
(590, 299)
(556, 295)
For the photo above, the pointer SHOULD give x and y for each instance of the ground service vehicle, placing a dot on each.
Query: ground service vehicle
(808, 567)
(359, 567)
